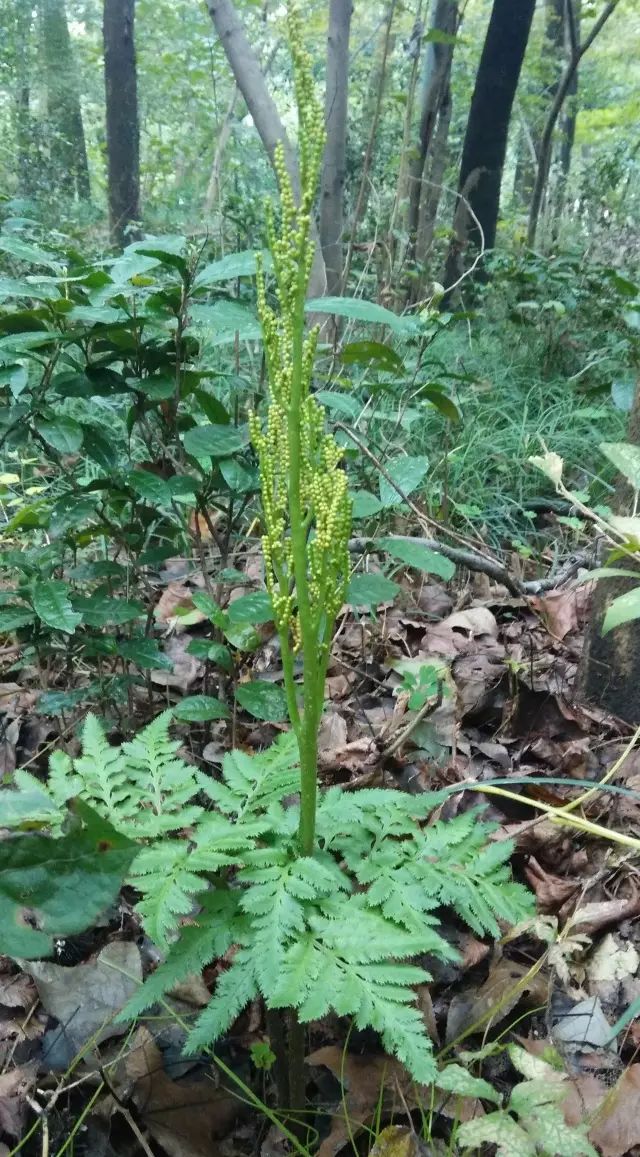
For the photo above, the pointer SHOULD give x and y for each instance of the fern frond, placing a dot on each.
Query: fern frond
(103, 772)
(234, 989)
(168, 885)
(250, 783)
(217, 926)
(167, 784)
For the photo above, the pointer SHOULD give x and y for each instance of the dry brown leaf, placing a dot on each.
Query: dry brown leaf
(185, 1117)
(551, 891)
(175, 598)
(15, 1085)
(495, 999)
(186, 668)
(616, 1121)
(397, 1141)
(590, 918)
(375, 1082)
(17, 991)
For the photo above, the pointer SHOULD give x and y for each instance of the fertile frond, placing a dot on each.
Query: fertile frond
(234, 989)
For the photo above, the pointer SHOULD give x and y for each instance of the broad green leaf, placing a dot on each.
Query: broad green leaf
(241, 264)
(200, 709)
(376, 353)
(262, 700)
(51, 888)
(26, 251)
(223, 321)
(215, 441)
(624, 609)
(157, 388)
(359, 310)
(242, 636)
(407, 472)
(146, 654)
(238, 479)
(625, 458)
(208, 606)
(622, 394)
(254, 608)
(99, 447)
(339, 403)
(367, 590)
(365, 504)
(213, 409)
(149, 486)
(417, 555)
(51, 603)
(103, 611)
(14, 617)
(64, 434)
(457, 1079)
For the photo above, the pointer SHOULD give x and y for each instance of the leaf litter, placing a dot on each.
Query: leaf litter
(500, 704)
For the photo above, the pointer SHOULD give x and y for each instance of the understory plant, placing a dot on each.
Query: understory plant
(323, 900)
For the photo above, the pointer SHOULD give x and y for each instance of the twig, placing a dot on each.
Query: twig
(468, 558)
(400, 739)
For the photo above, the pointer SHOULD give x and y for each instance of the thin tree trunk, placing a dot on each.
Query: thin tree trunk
(213, 188)
(376, 91)
(551, 64)
(544, 162)
(414, 47)
(435, 85)
(432, 192)
(70, 168)
(249, 78)
(334, 166)
(485, 141)
(123, 143)
(22, 98)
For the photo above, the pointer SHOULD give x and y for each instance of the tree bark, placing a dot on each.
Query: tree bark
(430, 200)
(372, 116)
(249, 78)
(22, 99)
(577, 52)
(213, 188)
(485, 141)
(123, 137)
(609, 673)
(67, 148)
(334, 166)
(435, 87)
(552, 65)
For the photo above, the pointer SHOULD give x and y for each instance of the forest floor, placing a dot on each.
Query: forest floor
(502, 711)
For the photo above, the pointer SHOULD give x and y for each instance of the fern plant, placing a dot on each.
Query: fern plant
(327, 898)
(338, 929)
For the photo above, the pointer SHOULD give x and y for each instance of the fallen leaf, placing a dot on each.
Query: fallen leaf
(495, 999)
(17, 991)
(551, 891)
(174, 599)
(15, 1085)
(616, 1128)
(609, 964)
(590, 918)
(562, 611)
(186, 668)
(185, 1117)
(376, 1083)
(397, 1141)
(85, 999)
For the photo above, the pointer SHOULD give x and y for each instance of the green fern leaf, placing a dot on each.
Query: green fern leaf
(235, 988)
(164, 877)
(216, 928)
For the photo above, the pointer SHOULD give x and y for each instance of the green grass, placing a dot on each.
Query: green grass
(483, 461)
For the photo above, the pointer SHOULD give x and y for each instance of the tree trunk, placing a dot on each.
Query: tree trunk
(544, 162)
(435, 86)
(224, 133)
(123, 138)
(67, 149)
(373, 106)
(609, 674)
(430, 201)
(551, 65)
(334, 166)
(22, 99)
(413, 49)
(485, 141)
(249, 78)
